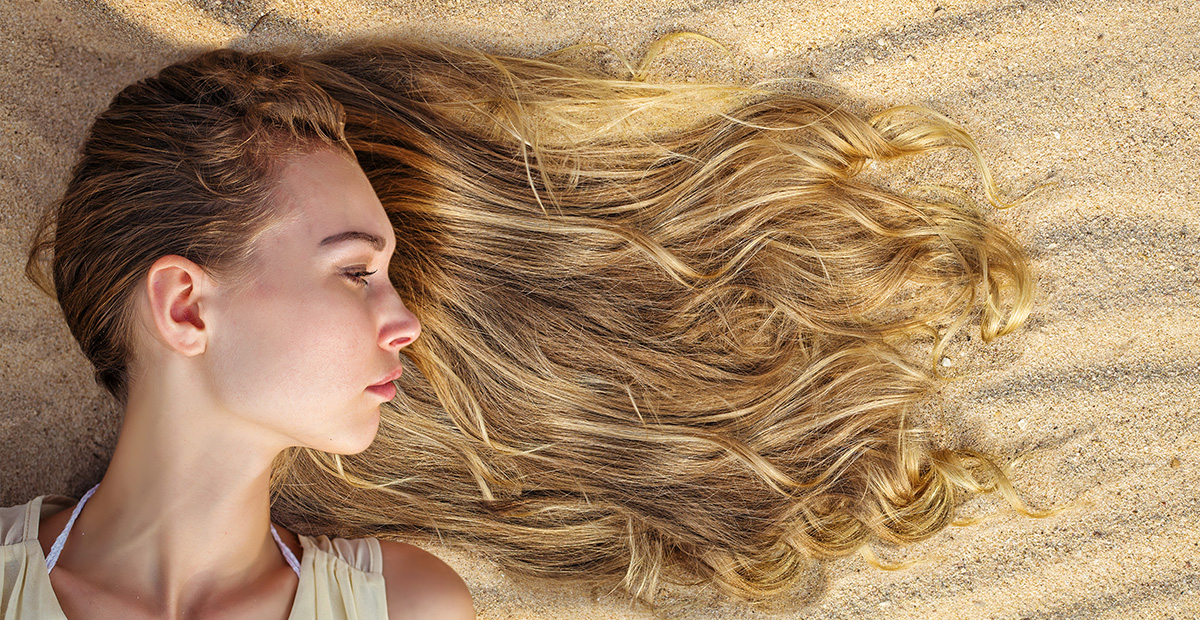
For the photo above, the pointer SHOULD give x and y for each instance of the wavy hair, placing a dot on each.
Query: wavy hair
(670, 333)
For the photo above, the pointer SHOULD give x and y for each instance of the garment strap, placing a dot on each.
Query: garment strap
(287, 553)
(57, 548)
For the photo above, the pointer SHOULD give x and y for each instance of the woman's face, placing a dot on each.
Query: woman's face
(308, 344)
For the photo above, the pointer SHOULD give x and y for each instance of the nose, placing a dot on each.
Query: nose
(398, 327)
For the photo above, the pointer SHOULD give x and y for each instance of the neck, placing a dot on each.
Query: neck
(183, 512)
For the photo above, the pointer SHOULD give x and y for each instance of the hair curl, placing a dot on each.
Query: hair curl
(668, 329)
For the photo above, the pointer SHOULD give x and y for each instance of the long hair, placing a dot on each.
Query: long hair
(670, 333)
(181, 163)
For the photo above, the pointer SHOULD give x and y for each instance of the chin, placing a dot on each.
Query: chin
(358, 439)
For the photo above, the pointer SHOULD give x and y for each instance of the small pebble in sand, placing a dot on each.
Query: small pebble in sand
(1022, 424)
(1176, 463)
(947, 362)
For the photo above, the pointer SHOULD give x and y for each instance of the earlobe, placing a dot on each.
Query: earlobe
(175, 288)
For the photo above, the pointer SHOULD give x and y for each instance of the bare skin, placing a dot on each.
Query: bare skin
(226, 376)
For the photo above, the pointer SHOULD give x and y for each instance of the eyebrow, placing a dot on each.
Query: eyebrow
(354, 235)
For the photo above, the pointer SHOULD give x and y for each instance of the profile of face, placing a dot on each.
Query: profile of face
(307, 345)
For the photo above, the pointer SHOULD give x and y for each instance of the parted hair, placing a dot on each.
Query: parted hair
(670, 332)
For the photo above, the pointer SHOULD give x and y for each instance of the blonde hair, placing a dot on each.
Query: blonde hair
(670, 334)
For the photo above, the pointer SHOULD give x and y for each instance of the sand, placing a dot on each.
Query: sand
(1098, 103)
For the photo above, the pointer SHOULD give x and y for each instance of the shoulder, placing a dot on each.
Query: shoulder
(419, 585)
(42, 519)
(13, 523)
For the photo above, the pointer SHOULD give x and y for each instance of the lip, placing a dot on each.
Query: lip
(386, 391)
(385, 388)
(392, 376)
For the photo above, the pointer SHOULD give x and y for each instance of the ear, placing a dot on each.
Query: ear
(176, 289)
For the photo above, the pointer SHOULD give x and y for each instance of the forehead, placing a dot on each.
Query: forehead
(324, 193)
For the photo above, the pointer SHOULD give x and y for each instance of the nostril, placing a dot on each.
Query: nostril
(399, 342)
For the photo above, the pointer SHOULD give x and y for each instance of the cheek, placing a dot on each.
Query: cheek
(289, 354)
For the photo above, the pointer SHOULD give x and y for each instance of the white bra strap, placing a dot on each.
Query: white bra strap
(287, 553)
(56, 550)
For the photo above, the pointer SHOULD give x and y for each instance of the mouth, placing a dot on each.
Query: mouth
(386, 389)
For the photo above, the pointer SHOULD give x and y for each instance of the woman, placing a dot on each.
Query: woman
(222, 261)
(669, 334)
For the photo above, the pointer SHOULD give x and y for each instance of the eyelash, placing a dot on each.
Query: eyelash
(358, 277)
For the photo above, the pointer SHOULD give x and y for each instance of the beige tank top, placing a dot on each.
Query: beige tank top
(340, 579)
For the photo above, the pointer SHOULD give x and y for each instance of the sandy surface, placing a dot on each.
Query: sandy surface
(1100, 98)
